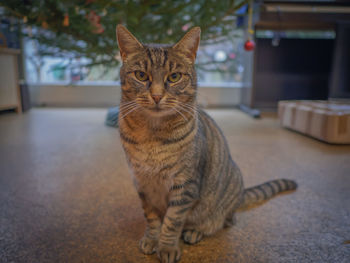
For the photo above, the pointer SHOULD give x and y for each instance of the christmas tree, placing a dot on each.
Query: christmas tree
(86, 28)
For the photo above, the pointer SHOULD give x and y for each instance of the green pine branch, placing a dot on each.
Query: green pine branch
(150, 21)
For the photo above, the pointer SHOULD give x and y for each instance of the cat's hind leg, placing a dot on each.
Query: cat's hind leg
(192, 236)
(230, 220)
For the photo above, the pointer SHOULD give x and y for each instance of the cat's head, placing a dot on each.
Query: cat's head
(159, 79)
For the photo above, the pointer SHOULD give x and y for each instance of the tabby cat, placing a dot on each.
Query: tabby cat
(183, 171)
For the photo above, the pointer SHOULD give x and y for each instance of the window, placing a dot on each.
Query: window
(218, 64)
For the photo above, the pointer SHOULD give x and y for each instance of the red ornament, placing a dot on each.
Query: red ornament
(249, 45)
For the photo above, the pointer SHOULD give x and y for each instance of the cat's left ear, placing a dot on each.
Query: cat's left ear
(189, 43)
(128, 44)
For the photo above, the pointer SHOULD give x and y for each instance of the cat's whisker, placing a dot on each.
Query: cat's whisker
(186, 110)
(169, 105)
(130, 111)
(124, 111)
(183, 116)
(122, 117)
(125, 108)
(189, 108)
(126, 103)
(142, 99)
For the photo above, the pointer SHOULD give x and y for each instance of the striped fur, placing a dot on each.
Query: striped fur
(188, 183)
(260, 193)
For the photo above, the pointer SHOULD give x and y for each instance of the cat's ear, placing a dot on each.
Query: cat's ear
(128, 44)
(189, 43)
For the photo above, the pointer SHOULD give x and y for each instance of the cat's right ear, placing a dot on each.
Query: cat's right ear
(128, 44)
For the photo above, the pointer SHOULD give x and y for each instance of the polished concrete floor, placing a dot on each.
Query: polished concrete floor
(66, 194)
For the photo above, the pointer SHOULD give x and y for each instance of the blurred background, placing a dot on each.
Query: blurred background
(252, 53)
(65, 189)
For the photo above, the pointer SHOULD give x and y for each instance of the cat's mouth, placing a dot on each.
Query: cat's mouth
(159, 110)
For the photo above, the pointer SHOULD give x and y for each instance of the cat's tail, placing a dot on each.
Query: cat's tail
(257, 194)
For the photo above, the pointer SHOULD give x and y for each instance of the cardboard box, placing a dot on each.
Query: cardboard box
(325, 120)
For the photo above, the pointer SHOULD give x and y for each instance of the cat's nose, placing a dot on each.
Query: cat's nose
(157, 98)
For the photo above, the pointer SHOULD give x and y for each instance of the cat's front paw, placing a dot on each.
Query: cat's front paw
(147, 245)
(168, 254)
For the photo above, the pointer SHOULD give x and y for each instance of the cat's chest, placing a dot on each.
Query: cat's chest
(153, 156)
(152, 149)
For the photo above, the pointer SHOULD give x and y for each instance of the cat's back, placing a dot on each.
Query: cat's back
(209, 129)
(216, 148)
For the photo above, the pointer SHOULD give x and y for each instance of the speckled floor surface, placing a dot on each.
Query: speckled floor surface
(66, 194)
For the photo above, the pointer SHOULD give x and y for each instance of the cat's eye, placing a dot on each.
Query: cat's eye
(141, 76)
(174, 77)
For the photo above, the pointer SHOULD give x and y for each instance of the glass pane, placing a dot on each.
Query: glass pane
(219, 64)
